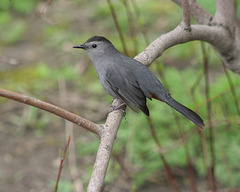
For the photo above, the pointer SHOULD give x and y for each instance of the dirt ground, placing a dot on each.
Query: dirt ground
(28, 162)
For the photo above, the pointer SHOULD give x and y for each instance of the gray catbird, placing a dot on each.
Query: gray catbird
(129, 80)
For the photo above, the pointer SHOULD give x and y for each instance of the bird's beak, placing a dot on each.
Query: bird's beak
(82, 46)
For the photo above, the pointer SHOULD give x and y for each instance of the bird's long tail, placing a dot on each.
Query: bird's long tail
(191, 115)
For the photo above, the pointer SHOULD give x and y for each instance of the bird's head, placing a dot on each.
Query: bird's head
(96, 46)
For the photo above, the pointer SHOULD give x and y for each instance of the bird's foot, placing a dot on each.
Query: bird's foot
(119, 107)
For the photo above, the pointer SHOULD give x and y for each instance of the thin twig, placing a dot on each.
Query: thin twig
(64, 155)
(45, 6)
(41, 11)
(209, 111)
(90, 126)
(131, 25)
(218, 95)
(171, 179)
(197, 11)
(72, 159)
(117, 26)
(182, 141)
(178, 143)
(234, 95)
(10, 61)
(138, 18)
(186, 20)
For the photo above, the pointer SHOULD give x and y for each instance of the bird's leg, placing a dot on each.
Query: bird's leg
(119, 107)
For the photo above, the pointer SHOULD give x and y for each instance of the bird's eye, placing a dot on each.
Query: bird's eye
(94, 45)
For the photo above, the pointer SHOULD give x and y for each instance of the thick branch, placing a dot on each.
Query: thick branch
(90, 126)
(228, 47)
(105, 148)
(215, 35)
(225, 12)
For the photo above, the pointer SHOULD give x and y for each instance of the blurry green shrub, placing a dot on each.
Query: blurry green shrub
(63, 186)
(12, 32)
(22, 7)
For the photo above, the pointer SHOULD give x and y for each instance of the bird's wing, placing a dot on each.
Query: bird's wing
(127, 89)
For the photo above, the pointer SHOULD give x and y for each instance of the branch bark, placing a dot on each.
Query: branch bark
(106, 132)
(210, 34)
(90, 126)
(197, 11)
(186, 20)
(105, 148)
(222, 32)
(225, 12)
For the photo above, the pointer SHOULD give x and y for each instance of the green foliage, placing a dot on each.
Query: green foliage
(228, 154)
(22, 7)
(64, 71)
(134, 131)
(5, 5)
(88, 149)
(56, 36)
(32, 120)
(5, 18)
(13, 32)
(63, 186)
(238, 8)
(210, 6)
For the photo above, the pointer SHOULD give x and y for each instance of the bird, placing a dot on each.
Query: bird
(129, 80)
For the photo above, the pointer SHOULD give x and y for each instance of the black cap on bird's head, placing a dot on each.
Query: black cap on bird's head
(92, 39)
(98, 38)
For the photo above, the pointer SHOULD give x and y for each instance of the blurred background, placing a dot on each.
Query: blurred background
(37, 59)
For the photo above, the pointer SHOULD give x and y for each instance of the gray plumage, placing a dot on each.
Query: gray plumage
(129, 80)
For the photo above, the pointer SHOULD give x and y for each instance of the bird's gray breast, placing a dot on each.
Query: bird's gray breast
(104, 70)
(107, 86)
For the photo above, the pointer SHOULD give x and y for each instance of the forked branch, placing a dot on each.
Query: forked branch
(221, 31)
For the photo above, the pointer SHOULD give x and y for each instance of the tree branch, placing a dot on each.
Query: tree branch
(211, 34)
(225, 17)
(186, 20)
(106, 132)
(90, 126)
(197, 11)
(105, 148)
(225, 12)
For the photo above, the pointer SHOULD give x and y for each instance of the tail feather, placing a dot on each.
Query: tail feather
(191, 115)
